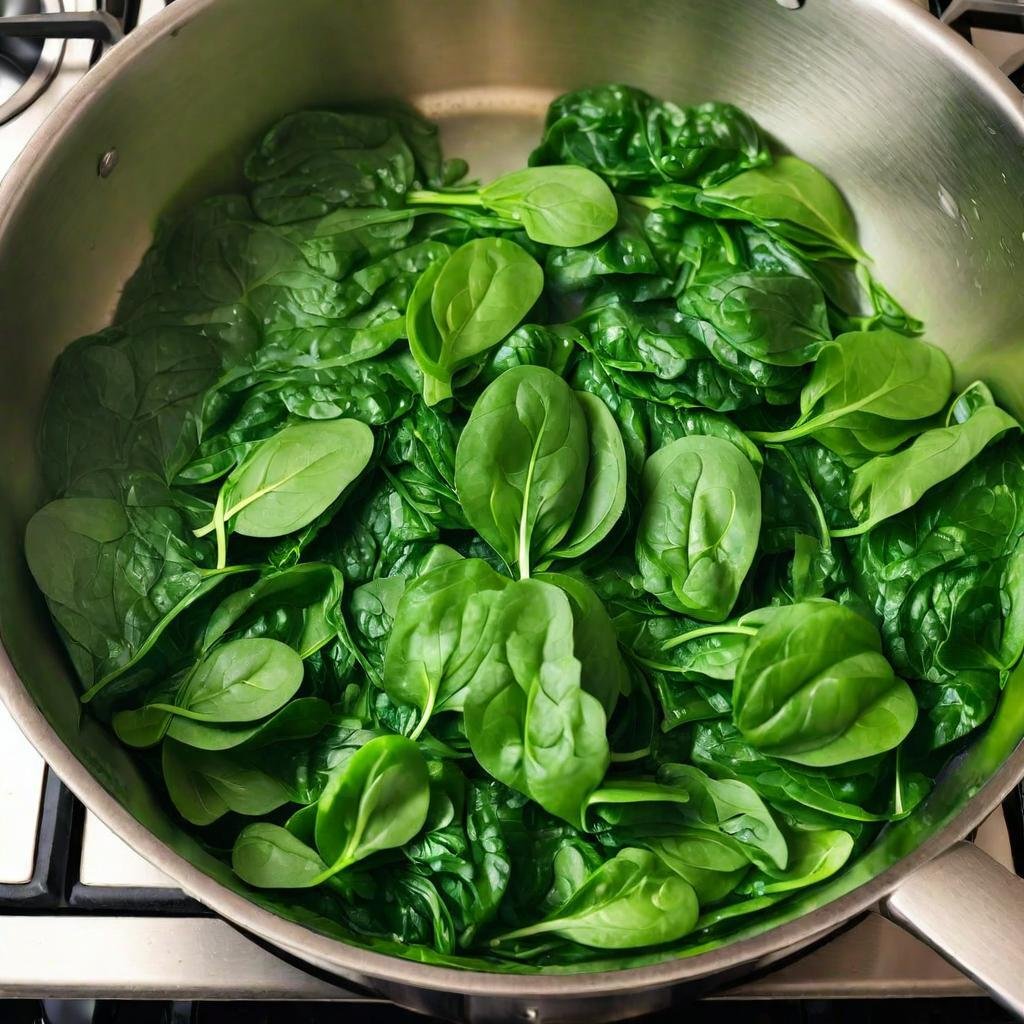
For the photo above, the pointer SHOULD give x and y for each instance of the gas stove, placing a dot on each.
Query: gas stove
(82, 917)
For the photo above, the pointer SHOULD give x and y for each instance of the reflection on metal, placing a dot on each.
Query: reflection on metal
(41, 74)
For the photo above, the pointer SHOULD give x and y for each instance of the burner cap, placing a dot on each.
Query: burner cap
(26, 65)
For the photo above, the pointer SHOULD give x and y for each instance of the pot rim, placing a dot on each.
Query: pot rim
(334, 954)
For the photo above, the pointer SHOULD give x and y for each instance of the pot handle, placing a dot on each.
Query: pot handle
(969, 909)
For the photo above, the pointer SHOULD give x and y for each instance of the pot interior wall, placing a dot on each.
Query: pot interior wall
(930, 156)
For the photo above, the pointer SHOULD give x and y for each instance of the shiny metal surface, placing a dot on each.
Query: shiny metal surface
(18, 89)
(68, 61)
(204, 958)
(920, 132)
(971, 910)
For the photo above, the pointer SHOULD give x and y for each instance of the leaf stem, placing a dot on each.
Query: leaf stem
(222, 539)
(420, 197)
(694, 634)
(649, 202)
(852, 531)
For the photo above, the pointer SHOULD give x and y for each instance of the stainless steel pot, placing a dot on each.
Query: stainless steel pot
(926, 140)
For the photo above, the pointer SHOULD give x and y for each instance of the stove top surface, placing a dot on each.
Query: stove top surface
(82, 916)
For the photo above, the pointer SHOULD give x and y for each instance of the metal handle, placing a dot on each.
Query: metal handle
(970, 909)
(98, 25)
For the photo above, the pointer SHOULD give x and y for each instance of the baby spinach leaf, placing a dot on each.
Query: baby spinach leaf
(240, 681)
(629, 901)
(124, 401)
(813, 687)
(628, 137)
(556, 205)
(80, 551)
(531, 344)
(299, 719)
(790, 199)
(683, 793)
(698, 530)
(779, 319)
(289, 479)
(435, 646)
(877, 381)
(712, 862)
(843, 792)
(299, 606)
(270, 857)
(521, 464)
(889, 484)
(604, 490)
(477, 297)
(529, 721)
(205, 784)
(603, 673)
(377, 801)
(814, 855)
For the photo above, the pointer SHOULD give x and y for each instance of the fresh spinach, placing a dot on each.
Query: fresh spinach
(468, 304)
(611, 564)
(631, 900)
(814, 687)
(698, 531)
(565, 206)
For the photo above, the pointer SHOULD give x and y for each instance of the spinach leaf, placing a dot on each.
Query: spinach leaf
(436, 643)
(312, 162)
(889, 484)
(556, 205)
(603, 672)
(631, 900)
(299, 606)
(205, 784)
(476, 298)
(299, 719)
(712, 862)
(814, 855)
(789, 198)
(698, 530)
(813, 687)
(529, 720)
(628, 137)
(521, 464)
(291, 478)
(240, 681)
(604, 489)
(779, 319)
(842, 792)
(377, 801)
(270, 857)
(873, 384)
(116, 574)
(124, 401)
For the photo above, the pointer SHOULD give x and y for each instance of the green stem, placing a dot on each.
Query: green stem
(636, 755)
(426, 712)
(819, 512)
(425, 197)
(649, 202)
(523, 933)
(222, 537)
(851, 531)
(693, 634)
